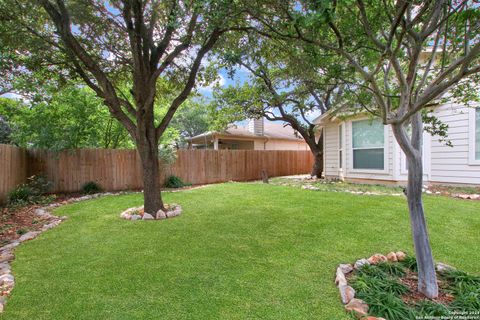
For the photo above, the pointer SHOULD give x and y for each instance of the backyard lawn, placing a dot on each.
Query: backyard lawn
(238, 251)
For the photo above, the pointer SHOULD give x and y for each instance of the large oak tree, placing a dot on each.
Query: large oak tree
(109, 43)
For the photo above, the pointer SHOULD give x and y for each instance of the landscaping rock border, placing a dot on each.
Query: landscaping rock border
(366, 193)
(138, 213)
(7, 280)
(347, 294)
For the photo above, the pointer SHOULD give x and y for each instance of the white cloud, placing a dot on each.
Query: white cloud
(219, 82)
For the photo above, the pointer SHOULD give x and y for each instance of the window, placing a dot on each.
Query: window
(368, 145)
(477, 134)
(340, 146)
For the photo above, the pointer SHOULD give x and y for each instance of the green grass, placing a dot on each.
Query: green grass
(238, 251)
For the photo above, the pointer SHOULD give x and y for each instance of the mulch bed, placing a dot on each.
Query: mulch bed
(18, 221)
(413, 297)
(14, 223)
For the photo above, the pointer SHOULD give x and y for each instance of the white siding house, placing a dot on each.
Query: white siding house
(360, 149)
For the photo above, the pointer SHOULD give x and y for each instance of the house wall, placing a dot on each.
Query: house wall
(442, 164)
(452, 164)
(259, 144)
(274, 144)
(330, 143)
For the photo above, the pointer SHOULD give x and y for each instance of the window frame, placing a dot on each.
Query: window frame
(385, 149)
(471, 135)
(341, 142)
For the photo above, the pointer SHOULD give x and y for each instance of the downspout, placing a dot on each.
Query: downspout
(265, 143)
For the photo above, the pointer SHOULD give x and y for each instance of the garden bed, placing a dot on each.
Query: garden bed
(385, 287)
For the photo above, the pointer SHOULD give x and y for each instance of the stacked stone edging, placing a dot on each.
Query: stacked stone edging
(366, 193)
(138, 213)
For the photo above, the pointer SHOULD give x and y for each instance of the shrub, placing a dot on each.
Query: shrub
(91, 188)
(31, 192)
(175, 182)
(39, 185)
(21, 194)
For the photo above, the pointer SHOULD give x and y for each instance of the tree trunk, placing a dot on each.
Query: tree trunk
(148, 151)
(316, 147)
(427, 279)
(317, 165)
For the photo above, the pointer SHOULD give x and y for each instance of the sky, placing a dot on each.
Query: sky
(224, 80)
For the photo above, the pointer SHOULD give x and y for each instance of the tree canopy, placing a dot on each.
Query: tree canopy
(71, 118)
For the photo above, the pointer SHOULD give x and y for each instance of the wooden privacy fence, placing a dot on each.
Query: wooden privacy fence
(13, 168)
(121, 169)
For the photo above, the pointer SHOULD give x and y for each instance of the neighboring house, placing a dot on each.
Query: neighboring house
(257, 135)
(364, 150)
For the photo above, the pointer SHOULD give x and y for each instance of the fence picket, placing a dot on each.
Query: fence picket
(121, 169)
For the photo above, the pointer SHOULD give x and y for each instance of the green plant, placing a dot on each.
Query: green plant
(460, 278)
(21, 194)
(372, 271)
(467, 297)
(365, 285)
(430, 308)
(39, 185)
(167, 154)
(393, 269)
(410, 262)
(91, 188)
(175, 182)
(393, 286)
(31, 192)
(21, 231)
(388, 306)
